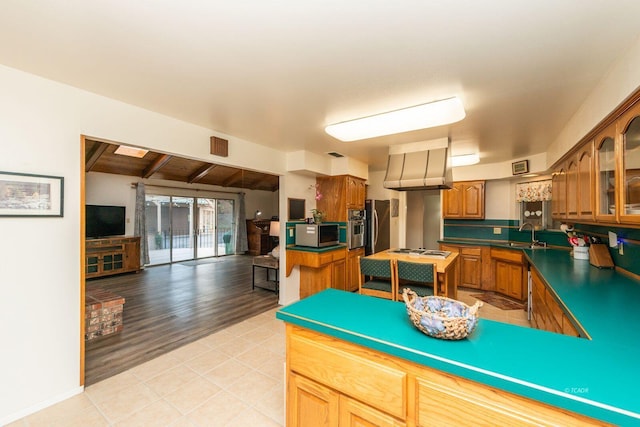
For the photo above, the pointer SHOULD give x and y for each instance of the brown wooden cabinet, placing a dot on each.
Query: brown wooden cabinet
(318, 270)
(258, 239)
(331, 382)
(114, 255)
(339, 194)
(353, 269)
(355, 193)
(547, 314)
(464, 201)
(473, 261)
(509, 272)
(572, 189)
(604, 169)
(586, 182)
(599, 180)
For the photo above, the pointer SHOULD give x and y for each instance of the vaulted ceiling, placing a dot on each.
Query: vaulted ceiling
(101, 157)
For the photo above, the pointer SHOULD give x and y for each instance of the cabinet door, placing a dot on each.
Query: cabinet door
(629, 161)
(559, 190)
(356, 414)
(470, 270)
(572, 188)
(510, 279)
(585, 188)
(339, 274)
(605, 175)
(132, 254)
(473, 200)
(502, 277)
(452, 202)
(310, 404)
(355, 193)
(353, 269)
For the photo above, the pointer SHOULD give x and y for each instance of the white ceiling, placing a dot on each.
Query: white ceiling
(277, 72)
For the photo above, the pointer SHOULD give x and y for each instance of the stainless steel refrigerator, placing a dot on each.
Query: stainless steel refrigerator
(378, 229)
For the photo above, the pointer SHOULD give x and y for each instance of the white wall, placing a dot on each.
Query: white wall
(40, 261)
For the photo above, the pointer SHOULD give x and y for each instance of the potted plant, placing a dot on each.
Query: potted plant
(317, 216)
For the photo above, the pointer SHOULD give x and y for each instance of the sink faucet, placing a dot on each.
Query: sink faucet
(533, 231)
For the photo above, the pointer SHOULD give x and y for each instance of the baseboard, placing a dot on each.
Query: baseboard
(40, 406)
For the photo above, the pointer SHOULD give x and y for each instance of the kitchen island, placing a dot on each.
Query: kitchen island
(371, 361)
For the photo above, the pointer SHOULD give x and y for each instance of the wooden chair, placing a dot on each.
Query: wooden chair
(418, 276)
(377, 278)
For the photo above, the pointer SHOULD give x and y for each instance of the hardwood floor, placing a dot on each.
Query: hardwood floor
(169, 306)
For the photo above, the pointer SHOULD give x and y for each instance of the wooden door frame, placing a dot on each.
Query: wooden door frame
(82, 256)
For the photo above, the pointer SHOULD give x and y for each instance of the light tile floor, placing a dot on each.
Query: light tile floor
(234, 377)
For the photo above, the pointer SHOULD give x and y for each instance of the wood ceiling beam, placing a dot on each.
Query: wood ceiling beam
(201, 173)
(97, 151)
(155, 166)
(227, 182)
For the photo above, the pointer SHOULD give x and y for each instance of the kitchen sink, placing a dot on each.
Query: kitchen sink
(525, 245)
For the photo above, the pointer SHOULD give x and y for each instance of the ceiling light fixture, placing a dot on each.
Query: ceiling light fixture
(125, 150)
(465, 160)
(422, 116)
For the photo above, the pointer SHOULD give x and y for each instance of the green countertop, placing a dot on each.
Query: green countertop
(313, 249)
(597, 377)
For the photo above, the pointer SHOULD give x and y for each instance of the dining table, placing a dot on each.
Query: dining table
(446, 266)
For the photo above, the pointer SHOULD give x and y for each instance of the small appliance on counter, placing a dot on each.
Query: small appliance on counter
(317, 235)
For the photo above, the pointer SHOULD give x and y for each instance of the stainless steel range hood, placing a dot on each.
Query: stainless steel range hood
(419, 166)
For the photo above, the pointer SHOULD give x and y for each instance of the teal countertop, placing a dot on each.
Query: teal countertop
(597, 377)
(318, 250)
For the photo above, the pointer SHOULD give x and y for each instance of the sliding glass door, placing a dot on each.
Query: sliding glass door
(186, 228)
(206, 234)
(182, 228)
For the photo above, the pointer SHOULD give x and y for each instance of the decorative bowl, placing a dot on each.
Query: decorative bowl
(441, 317)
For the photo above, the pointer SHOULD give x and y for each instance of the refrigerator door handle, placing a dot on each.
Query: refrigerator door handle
(375, 229)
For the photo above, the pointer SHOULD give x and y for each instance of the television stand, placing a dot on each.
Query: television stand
(113, 255)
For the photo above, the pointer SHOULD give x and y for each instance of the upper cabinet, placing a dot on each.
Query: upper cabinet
(355, 193)
(605, 171)
(600, 179)
(629, 165)
(586, 182)
(464, 201)
(339, 194)
(559, 198)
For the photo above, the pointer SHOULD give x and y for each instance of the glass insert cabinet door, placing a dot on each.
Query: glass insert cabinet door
(605, 147)
(630, 195)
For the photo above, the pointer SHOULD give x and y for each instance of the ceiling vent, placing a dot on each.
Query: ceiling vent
(419, 166)
(334, 154)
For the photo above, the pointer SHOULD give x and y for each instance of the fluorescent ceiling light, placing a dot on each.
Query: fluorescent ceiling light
(124, 150)
(465, 160)
(422, 116)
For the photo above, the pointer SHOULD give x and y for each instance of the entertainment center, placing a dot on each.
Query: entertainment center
(113, 255)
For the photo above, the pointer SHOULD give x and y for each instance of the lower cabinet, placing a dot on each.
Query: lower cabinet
(331, 382)
(547, 314)
(510, 272)
(353, 269)
(318, 270)
(319, 406)
(472, 264)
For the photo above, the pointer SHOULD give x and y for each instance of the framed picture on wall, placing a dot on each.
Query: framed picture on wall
(24, 194)
(518, 168)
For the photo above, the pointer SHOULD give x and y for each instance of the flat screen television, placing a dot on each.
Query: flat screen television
(104, 221)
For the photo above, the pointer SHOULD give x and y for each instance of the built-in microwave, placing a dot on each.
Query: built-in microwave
(317, 235)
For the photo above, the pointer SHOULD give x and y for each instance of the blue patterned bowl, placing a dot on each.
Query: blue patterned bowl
(441, 317)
